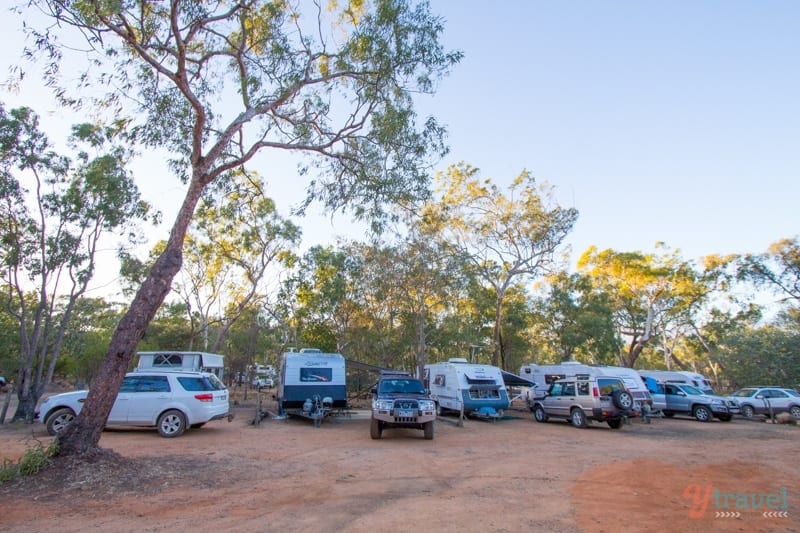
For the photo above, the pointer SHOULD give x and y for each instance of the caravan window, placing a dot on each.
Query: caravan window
(169, 360)
(439, 380)
(316, 374)
(550, 378)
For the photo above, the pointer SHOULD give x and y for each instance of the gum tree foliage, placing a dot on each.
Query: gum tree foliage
(777, 270)
(506, 236)
(235, 246)
(217, 82)
(54, 210)
(575, 321)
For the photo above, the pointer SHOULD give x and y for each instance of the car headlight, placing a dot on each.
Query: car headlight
(383, 405)
(426, 405)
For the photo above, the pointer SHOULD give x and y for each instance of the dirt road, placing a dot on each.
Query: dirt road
(512, 475)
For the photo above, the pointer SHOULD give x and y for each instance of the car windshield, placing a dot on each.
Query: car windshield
(792, 392)
(743, 393)
(404, 386)
(688, 389)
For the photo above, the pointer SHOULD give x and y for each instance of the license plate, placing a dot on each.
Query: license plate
(223, 397)
(405, 413)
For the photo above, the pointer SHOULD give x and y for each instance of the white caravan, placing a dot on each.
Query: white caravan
(471, 389)
(680, 376)
(312, 384)
(543, 375)
(185, 361)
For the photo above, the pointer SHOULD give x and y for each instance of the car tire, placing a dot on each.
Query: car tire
(171, 424)
(427, 427)
(615, 423)
(375, 429)
(578, 417)
(59, 420)
(725, 418)
(747, 411)
(795, 411)
(701, 413)
(539, 414)
(622, 400)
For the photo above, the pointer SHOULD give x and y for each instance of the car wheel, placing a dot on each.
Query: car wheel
(615, 423)
(578, 418)
(539, 414)
(171, 423)
(375, 429)
(795, 411)
(725, 418)
(748, 411)
(622, 400)
(428, 428)
(701, 413)
(59, 420)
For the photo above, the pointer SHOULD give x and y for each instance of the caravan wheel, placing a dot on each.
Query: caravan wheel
(428, 428)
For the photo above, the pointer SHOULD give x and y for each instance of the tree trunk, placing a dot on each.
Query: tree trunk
(82, 436)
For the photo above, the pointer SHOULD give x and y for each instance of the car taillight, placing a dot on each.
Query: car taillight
(207, 397)
(595, 392)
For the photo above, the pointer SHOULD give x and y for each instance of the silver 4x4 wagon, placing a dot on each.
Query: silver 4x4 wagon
(400, 401)
(581, 399)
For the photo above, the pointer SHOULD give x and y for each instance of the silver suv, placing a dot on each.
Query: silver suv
(169, 401)
(758, 401)
(581, 399)
(673, 398)
(400, 401)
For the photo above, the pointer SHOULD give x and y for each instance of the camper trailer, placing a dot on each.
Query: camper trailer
(680, 376)
(174, 360)
(471, 389)
(543, 375)
(312, 384)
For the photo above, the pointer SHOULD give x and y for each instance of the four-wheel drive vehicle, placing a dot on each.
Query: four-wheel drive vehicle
(400, 401)
(754, 401)
(583, 398)
(169, 401)
(680, 398)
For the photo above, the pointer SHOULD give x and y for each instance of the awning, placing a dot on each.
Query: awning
(513, 380)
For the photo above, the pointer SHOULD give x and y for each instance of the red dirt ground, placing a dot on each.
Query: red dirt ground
(511, 475)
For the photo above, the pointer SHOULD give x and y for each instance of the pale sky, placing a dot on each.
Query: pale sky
(659, 121)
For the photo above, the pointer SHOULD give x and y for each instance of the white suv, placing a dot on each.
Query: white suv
(169, 401)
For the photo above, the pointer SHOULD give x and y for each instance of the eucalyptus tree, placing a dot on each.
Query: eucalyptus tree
(575, 320)
(328, 292)
(655, 297)
(505, 236)
(778, 270)
(54, 212)
(235, 247)
(216, 83)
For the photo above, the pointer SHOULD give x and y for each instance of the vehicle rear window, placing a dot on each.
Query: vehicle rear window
(201, 383)
(744, 393)
(607, 386)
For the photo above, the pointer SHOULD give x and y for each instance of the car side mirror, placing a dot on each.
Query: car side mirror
(681, 393)
(760, 397)
(373, 390)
